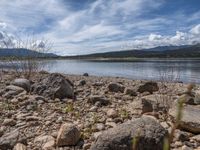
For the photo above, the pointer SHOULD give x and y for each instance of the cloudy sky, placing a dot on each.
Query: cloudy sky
(88, 26)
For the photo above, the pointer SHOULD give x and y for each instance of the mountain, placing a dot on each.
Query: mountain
(21, 52)
(157, 52)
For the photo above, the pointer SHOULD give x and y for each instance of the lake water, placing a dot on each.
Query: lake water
(174, 70)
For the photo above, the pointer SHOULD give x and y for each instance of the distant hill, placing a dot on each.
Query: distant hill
(21, 52)
(157, 52)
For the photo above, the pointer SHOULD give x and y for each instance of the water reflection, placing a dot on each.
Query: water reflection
(185, 71)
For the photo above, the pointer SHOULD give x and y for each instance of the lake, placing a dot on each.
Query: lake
(187, 70)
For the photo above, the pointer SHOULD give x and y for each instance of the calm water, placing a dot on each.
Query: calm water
(178, 70)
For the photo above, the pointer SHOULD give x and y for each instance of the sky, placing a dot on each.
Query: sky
(78, 27)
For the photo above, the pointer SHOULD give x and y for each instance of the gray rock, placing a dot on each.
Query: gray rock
(148, 131)
(95, 98)
(54, 86)
(9, 122)
(130, 92)
(68, 135)
(19, 146)
(112, 113)
(23, 83)
(148, 87)
(45, 141)
(81, 82)
(190, 118)
(8, 140)
(11, 91)
(115, 87)
(86, 74)
(197, 97)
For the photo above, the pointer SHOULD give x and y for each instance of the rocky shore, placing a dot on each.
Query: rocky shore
(67, 112)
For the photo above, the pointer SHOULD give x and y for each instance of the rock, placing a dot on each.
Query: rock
(181, 136)
(1, 132)
(46, 141)
(9, 122)
(111, 113)
(148, 87)
(197, 98)
(82, 82)
(115, 87)
(49, 145)
(86, 146)
(68, 135)
(196, 138)
(100, 126)
(148, 131)
(184, 147)
(19, 146)
(190, 118)
(86, 74)
(93, 109)
(23, 83)
(188, 99)
(8, 140)
(95, 98)
(54, 86)
(130, 92)
(140, 106)
(11, 91)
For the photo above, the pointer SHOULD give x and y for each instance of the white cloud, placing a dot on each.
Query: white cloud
(154, 37)
(102, 25)
(196, 30)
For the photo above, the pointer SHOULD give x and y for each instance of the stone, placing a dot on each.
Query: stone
(100, 126)
(140, 106)
(86, 74)
(46, 141)
(95, 98)
(11, 91)
(115, 87)
(130, 92)
(188, 99)
(184, 147)
(197, 97)
(49, 145)
(93, 109)
(1, 132)
(190, 118)
(19, 146)
(111, 113)
(196, 138)
(23, 83)
(68, 135)
(54, 86)
(82, 82)
(149, 86)
(9, 122)
(148, 131)
(9, 140)
(86, 146)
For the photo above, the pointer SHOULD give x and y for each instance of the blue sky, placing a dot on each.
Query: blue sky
(89, 26)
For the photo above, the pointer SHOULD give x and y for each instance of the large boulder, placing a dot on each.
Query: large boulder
(23, 83)
(148, 87)
(54, 86)
(148, 132)
(68, 135)
(190, 120)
